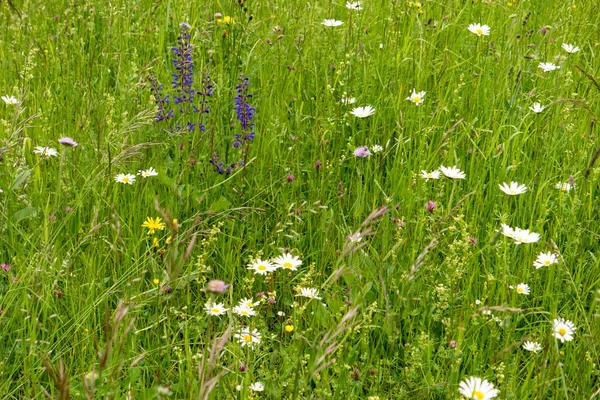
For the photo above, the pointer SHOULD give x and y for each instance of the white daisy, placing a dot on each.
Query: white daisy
(430, 175)
(524, 236)
(45, 151)
(244, 311)
(563, 329)
(348, 100)
(565, 187)
(532, 346)
(514, 189)
(537, 108)
(257, 387)
(479, 29)
(522, 288)
(363, 112)
(453, 172)
(544, 260)
(331, 22)
(354, 6)
(477, 388)
(248, 303)
(10, 100)
(569, 48)
(149, 172)
(125, 178)
(215, 309)
(309, 293)
(376, 148)
(508, 231)
(287, 261)
(261, 267)
(247, 337)
(416, 98)
(547, 67)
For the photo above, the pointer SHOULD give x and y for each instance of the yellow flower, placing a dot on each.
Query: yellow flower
(155, 242)
(289, 328)
(153, 224)
(156, 281)
(169, 240)
(226, 20)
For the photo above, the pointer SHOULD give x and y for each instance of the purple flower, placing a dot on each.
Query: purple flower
(5, 267)
(430, 206)
(67, 141)
(183, 77)
(245, 113)
(290, 178)
(160, 100)
(362, 151)
(217, 286)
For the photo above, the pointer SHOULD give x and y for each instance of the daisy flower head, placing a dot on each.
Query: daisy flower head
(452, 172)
(147, 173)
(544, 260)
(537, 108)
(45, 151)
(548, 66)
(362, 151)
(563, 329)
(244, 311)
(125, 178)
(430, 175)
(10, 100)
(534, 347)
(569, 48)
(525, 236)
(508, 231)
(309, 293)
(331, 22)
(261, 267)
(248, 303)
(363, 112)
(354, 6)
(257, 387)
(153, 224)
(416, 98)
(248, 338)
(564, 187)
(479, 30)
(215, 309)
(522, 288)
(513, 189)
(376, 148)
(287, 261)
(477, 388)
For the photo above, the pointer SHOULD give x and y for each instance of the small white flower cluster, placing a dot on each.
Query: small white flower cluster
(130, 178)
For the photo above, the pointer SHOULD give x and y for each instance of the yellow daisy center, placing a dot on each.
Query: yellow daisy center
(125, 179)
(520, 290)
(547, 262)
(477, 395)
(562, 331)
(287, 264)
(247, 338)
(416, 99)
(215, 310)
(479, 31)
(262, 268)
(244, 312)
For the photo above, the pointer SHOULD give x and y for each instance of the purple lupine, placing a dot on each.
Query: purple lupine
(183, 78)
(245, 113)
(160, 100)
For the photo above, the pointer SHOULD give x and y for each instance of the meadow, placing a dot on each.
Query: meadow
(282, 199)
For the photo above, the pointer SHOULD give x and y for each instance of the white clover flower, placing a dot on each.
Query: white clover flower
(363, 112)
(513, 189)
(479, 29)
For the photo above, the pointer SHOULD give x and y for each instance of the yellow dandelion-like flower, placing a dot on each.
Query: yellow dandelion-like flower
(153, 224)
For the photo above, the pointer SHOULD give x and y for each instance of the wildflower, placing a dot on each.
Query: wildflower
(280, 313)
(477, 388)
(247, 337)
(522, 288)
(215, 309)
(430, 206)
(532, 346)
(290, 178)
(227, 20)
(261, 267)
(430, 175)
(244, 311)
(45, 151)
(125, 178)
(508, 231)
(153, 224)
(514, 189)
(67, 141)
(354, 238)
(155, 242)
(309, 293)
(5, 267)
(348, 100)
(544, 260)
(563, 329)
(287, 261)
(183, 77)
(537, 108)
(245, 113)
(479, 29)
(147, 173)
(248, 303)
(156, 281)
(362, 151)
(363, 112)
(547, 67)
(416, 98)
(257, 387)
(10, 100)
(453, 172)
(354, 6)
(376, 148)
(565, 187)
(217, 286)
(289, 328)
(161, 100)
(524, 236)
(569, 48)
(331, 22)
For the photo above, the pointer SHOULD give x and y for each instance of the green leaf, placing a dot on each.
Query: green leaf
(27, 212)
(220, 205)
(20, 179)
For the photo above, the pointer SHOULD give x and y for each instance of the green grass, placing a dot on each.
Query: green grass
(399, 316)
